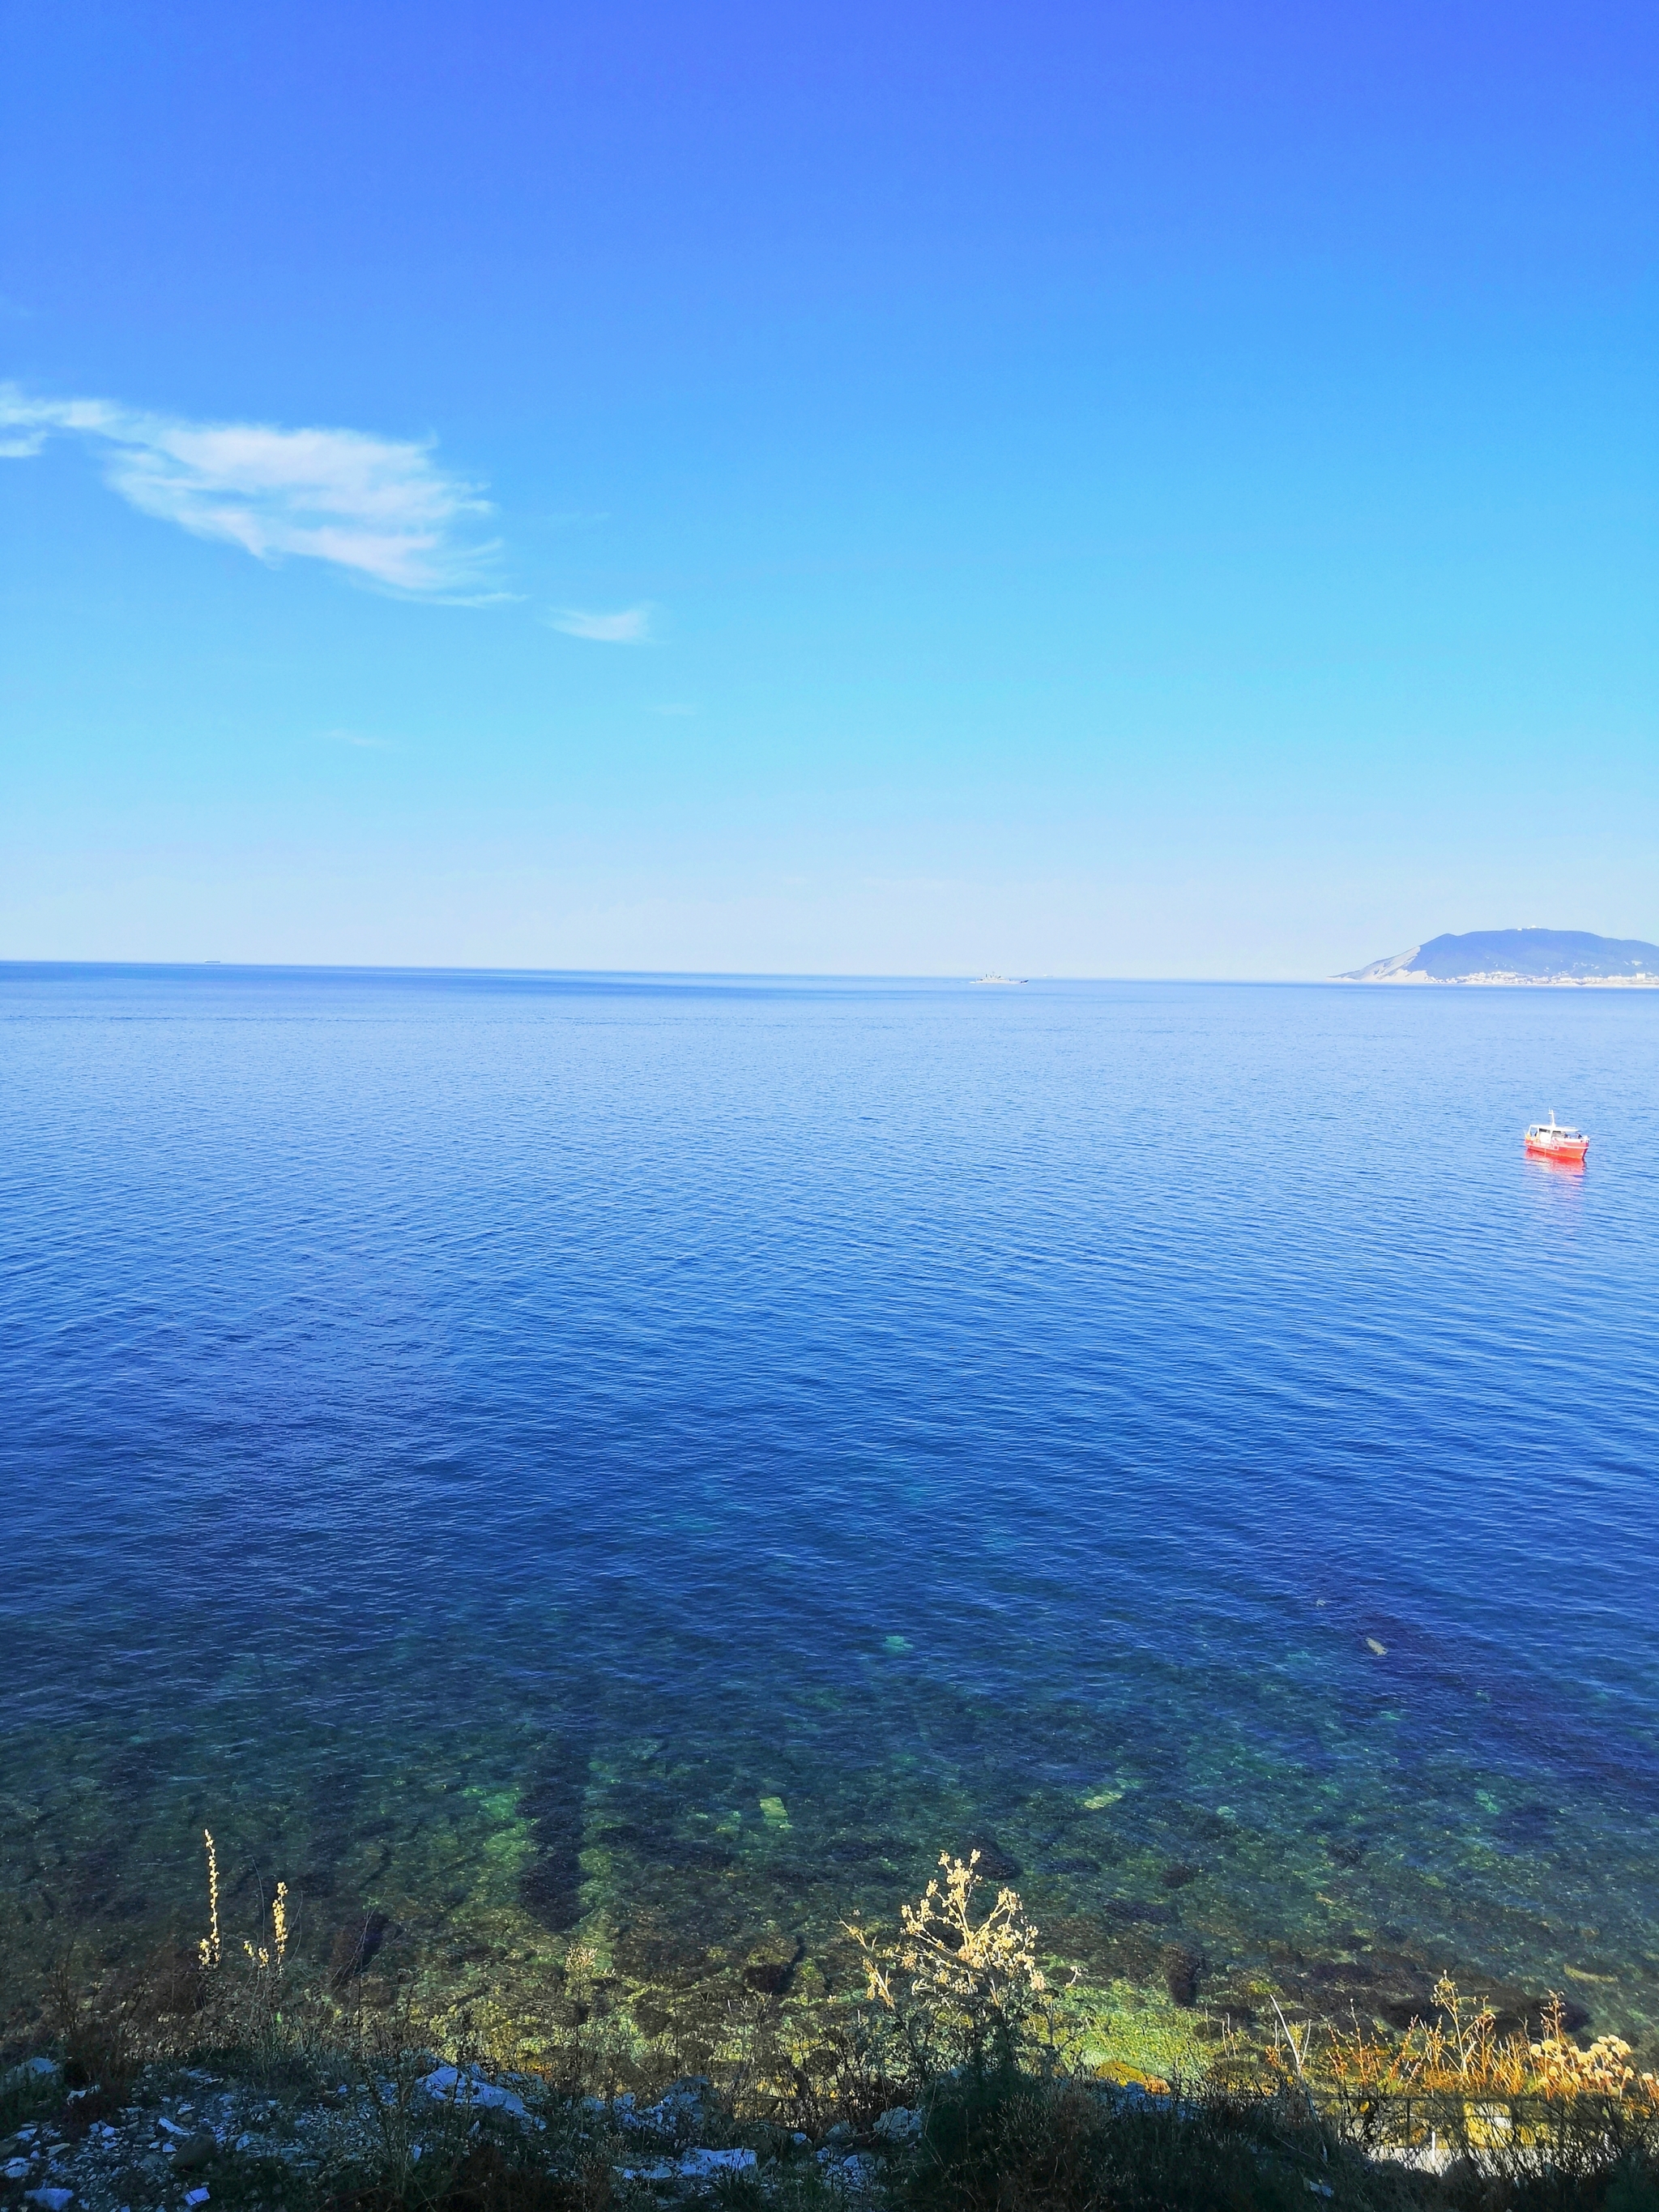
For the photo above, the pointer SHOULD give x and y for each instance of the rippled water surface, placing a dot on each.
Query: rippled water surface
(663, 1457)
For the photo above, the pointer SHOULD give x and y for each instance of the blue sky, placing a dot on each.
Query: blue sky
(1108, 489)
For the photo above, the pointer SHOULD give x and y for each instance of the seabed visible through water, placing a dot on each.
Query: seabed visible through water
(1176, 1887)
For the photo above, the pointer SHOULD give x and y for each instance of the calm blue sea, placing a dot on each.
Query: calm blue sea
(470, 1439)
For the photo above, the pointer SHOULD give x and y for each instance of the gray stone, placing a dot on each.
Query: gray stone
(899, 2124)
(695, 2166)
(453, 2087)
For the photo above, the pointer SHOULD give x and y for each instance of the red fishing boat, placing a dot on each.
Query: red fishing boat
(1551, 1142)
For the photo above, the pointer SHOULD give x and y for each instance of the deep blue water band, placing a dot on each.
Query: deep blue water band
(475, 1436)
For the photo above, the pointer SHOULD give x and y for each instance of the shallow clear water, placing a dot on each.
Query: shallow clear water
(470, 1439)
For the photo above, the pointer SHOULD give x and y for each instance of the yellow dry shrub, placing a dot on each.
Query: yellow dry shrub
(1460, 2053)
(960, 1983)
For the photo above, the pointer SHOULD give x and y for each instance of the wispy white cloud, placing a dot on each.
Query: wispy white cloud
(631, 626)
(378, 507)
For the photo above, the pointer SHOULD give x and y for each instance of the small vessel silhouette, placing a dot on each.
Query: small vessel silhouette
(1553, 1140)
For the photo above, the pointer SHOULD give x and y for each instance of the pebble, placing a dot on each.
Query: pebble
(471, 2088)
(693, 2166)
(899, 2124)
(859, 2171)
(680, 2110)
(35, 2068)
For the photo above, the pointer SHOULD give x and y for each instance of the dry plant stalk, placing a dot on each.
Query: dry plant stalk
(262, 1957)
(247, 2007)
(956, 1984)
(208, 1948)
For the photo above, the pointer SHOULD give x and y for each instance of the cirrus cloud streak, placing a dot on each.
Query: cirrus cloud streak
(377, 507)
(629, 626)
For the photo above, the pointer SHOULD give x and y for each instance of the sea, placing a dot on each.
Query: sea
(650, 1462)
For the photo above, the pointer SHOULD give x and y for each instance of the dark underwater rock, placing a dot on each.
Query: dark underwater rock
(555, 1807)
(1211, 1825)
(355, 1945)
(659, 1843)
(1182, 1968)
(865, 1850)
(995, 1865)
(771, 1967)
(1520, 2015)
(1177, 1877)
(613, 1832)
(1523, 1825)
(1138, 1913)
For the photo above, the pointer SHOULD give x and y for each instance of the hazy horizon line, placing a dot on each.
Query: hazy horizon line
(689, 975)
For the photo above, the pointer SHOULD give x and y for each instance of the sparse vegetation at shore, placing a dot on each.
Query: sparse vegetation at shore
(232, 2075)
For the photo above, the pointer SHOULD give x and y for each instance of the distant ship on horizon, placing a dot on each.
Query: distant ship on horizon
(1518, 955)
(999, 979)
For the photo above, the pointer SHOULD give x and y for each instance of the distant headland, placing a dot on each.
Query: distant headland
(1518, 955)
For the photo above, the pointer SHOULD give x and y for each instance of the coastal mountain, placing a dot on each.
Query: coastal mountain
(1518, 955)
